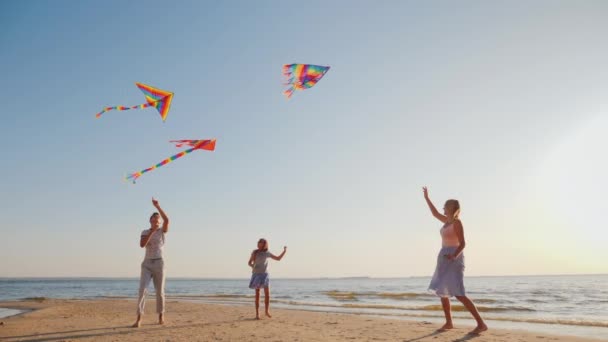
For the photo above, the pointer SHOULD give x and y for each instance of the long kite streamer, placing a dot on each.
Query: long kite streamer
(208, 145)
(157, 98)
(302, 76)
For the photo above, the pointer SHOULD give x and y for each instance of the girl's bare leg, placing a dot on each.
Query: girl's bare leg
(481, 326)
(257, 303)
(267, 301)
(447, 311)
(137, 324)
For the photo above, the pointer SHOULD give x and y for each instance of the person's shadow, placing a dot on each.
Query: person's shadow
(466, 337)
(436, 332)
(105, 332)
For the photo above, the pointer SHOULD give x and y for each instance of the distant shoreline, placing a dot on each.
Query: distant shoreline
(297, 278)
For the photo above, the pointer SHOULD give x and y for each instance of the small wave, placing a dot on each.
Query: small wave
(458, 308)
(404, 295)
(352, 296)
(485, 301)
(535, 301)
(479, 308)
(215, 295)
(540, 293)
(341, 295)
(35, 299)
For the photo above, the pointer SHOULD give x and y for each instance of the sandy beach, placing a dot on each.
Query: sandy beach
(110, 320)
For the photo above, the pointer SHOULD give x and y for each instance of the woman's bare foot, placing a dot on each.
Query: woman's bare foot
(446, 327)
(268, 314)
(136, 324)
(480, 328)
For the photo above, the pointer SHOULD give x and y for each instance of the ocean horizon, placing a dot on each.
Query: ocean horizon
(292, 278)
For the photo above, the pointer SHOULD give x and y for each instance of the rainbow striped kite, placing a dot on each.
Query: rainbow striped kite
(157, 98)
(208, 145)
(302, 76)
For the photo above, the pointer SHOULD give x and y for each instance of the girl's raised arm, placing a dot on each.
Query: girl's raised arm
(434, 211)
(278, 258)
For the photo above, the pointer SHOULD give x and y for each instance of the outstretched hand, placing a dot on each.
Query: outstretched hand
(155, 202)
(284, 248)
(425, 191)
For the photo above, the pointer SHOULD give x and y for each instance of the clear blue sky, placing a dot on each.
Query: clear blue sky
(491, 103)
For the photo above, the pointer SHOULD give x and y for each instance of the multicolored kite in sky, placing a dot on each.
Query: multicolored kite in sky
(208, 145)
(157, 98)
(302, 76)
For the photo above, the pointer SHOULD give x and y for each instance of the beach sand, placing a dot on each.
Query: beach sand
(110, 320)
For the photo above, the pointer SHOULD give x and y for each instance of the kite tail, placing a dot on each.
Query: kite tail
(289, 92)
(133, 177)
(107, 109)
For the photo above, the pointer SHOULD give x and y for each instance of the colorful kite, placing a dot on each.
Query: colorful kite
(302, 76)
(208, 145)
(157, 98)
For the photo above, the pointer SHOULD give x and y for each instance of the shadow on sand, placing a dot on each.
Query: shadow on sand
(109, 331)
(466, 337)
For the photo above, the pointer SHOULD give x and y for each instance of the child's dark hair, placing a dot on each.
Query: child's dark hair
(265, 244)
(153, 214)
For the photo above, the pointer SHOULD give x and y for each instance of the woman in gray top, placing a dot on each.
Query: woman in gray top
(153, 266)
(259, 279)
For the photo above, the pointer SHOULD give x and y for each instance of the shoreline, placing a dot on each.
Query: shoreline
(109, 319)
(20, 312)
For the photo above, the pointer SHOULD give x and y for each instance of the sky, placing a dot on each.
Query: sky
(501, 105)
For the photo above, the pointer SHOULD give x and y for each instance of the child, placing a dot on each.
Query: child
(259, 279)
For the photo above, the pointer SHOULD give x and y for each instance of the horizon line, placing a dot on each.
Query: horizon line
(290, 278)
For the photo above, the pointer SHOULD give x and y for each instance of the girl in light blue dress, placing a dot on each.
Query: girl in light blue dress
(448, 279)
(259, 277)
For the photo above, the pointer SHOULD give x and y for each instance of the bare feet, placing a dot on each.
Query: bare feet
(137, 324)
(161, 319)
(446, 327)
(480, 328)
(257, 317)
(268, 314)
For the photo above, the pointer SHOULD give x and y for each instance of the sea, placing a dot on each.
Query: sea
(573, 305)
